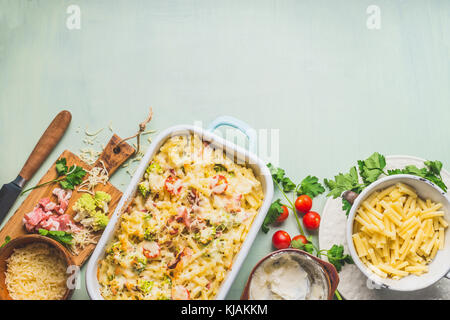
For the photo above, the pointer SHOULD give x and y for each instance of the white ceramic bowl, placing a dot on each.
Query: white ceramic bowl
(438, 268)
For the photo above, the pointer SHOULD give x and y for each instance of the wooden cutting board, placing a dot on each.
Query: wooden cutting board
(112, 156)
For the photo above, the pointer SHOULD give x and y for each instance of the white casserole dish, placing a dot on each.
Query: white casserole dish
(234, 152)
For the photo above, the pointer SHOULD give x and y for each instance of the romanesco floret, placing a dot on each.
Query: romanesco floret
(85, 203)
(100, 221)
(102, 199)
(87, 213)
(154, 167)
(144, 188)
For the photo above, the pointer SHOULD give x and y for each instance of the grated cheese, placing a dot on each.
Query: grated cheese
(36, 272)
(95, 176)
(82, 238)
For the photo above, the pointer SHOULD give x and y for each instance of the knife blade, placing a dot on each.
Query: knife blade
(8, 195)
(49, 139)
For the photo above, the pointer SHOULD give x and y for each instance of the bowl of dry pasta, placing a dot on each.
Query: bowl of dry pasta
(396, 233)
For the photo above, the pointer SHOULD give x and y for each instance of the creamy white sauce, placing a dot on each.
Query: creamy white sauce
(282, 277)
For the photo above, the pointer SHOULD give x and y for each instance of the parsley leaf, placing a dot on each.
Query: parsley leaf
(68, 178)
(7, 239)
(371, 168)
(272, 214)
(308, 247)
(335, 255)
(432, 172)
(337, 258)
(60, 236)
(343, 182)
(75, 177)
(346, 206)
(280, 178)
(435, 167)
(310, 186)
(61, 167)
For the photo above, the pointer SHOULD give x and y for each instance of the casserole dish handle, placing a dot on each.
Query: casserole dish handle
(238, 124)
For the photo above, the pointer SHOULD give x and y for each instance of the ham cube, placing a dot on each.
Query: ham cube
(51, 224)
(34, 217)
(63, 195)
(65, 223)
(47, 204)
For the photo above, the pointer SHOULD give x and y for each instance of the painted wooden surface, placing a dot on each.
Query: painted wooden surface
(336, 90)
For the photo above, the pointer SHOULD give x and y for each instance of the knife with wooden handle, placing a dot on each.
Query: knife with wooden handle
(50, 138)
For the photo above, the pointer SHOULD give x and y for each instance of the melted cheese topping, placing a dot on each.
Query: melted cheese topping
(179, 240)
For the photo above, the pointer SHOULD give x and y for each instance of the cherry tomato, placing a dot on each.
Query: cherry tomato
(283, 216)
(311, 220)
(301, 238)
(303, 203)
(281, 239)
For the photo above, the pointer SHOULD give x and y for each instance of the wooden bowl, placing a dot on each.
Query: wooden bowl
(327, 269)
(21, 241)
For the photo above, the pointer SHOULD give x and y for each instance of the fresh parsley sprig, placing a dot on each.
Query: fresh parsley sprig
(68, 177)
(309, 186)
(276, 208)
(335, 255)
(61, 236)
(371, 169)
(7, 239)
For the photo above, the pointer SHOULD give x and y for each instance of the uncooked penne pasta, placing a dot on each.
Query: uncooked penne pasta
(396, 233)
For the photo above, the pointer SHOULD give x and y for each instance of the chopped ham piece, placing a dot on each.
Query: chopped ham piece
(44, 201)
(33, 218)
(62, 194)
(58, 223)
(234, 204)
(47, 204)
(183, 216)
(65, 223)
(62, 207)
(51, 216)
(218, 184)
(51, 224)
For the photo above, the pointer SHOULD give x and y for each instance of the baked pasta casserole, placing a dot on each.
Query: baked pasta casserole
(186, 223)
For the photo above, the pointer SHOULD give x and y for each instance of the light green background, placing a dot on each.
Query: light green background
(336, 90)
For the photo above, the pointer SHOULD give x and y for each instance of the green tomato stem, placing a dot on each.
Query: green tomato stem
(291, 206)
(298, 220)
(338, 295)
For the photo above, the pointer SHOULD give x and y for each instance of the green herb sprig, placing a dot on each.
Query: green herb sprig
(371, 169)
(7, 239)
(61, 236)
(309, 186)
(335, 255)
(68, 177)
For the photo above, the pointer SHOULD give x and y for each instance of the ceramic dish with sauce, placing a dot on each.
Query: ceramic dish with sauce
(291, 274)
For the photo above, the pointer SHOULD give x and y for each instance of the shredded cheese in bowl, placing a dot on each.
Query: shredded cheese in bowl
(36, 271)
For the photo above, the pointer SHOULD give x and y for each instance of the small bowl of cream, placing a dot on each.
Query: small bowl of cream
(291, 274)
